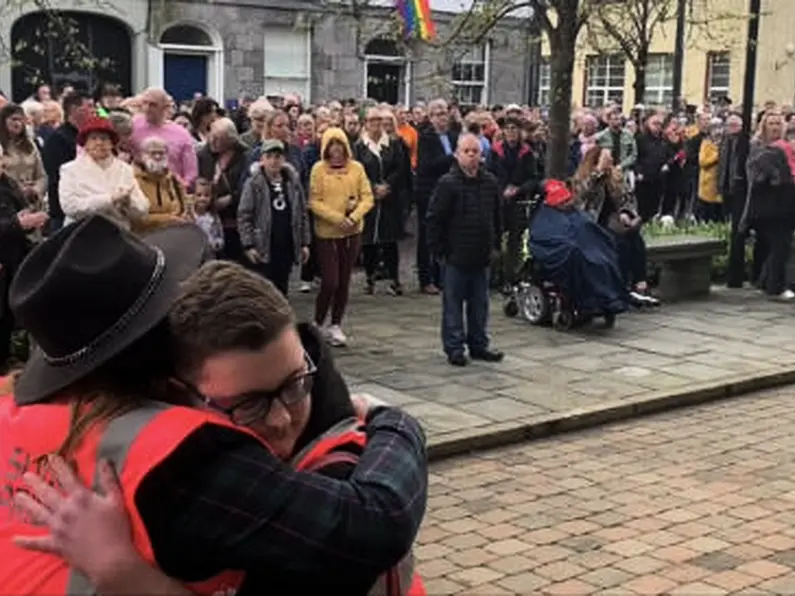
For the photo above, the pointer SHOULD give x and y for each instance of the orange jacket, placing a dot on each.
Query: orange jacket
(135, 442)
(409, 135)
(343, 443)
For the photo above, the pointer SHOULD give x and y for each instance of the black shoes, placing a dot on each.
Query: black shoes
(487, 356)
(460, 359)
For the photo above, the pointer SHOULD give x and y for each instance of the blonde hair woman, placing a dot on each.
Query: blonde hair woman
(602, 193)
(770, 205)
(257, 113)
(387, 170)
(276, 127)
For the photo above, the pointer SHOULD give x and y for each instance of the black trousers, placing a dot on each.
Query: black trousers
(233, 250)
(777, 236)
(428, 270)
(648, 196)
(374, 254)
(277, 271)
(737, 268)
(7, 325)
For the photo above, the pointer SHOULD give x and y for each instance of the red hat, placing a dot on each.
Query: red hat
(97, 124)
(557, 193)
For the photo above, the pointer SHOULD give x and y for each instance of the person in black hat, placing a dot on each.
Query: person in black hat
(85, 395)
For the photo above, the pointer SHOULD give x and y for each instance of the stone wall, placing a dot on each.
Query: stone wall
(338, 47)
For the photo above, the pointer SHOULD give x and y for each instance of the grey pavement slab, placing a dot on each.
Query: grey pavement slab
(395, 354)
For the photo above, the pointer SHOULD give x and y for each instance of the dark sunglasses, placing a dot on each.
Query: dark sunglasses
(254, 406)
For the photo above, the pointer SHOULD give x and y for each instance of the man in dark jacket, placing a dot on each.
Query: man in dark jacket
(61, 147)
(650, 166)
(732, 187)
(518, 175)
(464, 229)
(435, 154)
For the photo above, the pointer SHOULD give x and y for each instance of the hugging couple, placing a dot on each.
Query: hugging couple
(177, 432)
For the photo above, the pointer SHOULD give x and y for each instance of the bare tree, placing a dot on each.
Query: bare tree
(629, 27)
(561, 22)
(56, 33)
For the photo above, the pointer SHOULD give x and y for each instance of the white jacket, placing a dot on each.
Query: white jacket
(86, 188)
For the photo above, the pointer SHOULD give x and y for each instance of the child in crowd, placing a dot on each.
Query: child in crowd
(203, 216)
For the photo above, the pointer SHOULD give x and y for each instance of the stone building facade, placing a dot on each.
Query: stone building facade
(316, 49)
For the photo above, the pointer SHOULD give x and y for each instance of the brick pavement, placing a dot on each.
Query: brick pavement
(395, 354)
(694, 502)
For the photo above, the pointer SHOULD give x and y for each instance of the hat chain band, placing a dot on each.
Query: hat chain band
(124, 320)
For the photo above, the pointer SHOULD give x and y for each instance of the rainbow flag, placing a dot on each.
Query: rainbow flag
(417, 18)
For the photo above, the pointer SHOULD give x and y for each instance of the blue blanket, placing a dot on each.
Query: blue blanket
(579, 256)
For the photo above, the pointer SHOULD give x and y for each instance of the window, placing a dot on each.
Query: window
(544, 83)
(287, 62)
(470, 76)
(604, 80)
(718, 74)
(659, 80)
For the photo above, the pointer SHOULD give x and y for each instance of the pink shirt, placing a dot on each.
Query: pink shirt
(181, 146)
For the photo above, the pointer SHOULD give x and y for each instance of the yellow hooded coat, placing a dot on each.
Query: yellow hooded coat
(337, 193)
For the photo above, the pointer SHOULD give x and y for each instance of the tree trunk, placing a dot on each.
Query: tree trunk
(640, 82)
(561, 76)
(639, 66)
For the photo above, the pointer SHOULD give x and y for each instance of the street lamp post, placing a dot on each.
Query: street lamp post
(749, 82)
(679, 54)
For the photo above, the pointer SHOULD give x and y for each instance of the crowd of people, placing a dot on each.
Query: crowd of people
(202, 439)
(277, 185)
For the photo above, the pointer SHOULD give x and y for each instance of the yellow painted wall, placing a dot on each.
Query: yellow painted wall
(727, 30)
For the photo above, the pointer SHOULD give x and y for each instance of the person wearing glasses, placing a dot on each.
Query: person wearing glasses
(301, 407)
(211, 504)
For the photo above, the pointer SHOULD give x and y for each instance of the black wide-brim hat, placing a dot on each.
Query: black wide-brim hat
(92, 290)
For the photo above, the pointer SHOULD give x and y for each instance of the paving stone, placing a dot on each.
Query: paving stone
(500, 409)
(717, 561)
(440, 417)
(394, 353)
(693, 502)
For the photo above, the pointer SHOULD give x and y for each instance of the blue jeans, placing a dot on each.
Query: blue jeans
(470, 287)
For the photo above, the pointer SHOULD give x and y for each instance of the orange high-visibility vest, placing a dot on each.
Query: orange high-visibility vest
(136, 442)
(344, 443)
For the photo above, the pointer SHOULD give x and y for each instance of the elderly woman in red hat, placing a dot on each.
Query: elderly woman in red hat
(98, 182)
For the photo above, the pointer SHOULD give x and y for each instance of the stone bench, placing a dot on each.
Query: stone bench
(685, 264)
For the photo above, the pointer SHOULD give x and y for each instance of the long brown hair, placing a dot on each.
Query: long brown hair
(136, 375)
(587, 167)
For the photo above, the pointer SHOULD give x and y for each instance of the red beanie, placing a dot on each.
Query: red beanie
(557, 193)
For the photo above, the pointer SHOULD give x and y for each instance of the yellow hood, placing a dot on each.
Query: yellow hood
(334, 134)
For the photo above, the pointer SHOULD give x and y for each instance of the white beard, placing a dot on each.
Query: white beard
(155, 167)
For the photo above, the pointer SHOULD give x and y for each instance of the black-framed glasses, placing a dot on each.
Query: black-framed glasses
(253, 407)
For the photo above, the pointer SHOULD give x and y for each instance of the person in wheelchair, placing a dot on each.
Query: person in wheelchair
(602, 193)
(574, 261)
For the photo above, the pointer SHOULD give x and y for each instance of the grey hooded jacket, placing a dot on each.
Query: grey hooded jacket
(254, 213)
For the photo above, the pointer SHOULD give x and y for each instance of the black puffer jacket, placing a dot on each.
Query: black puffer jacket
(652, 156)
(463, 218)
(771, 191)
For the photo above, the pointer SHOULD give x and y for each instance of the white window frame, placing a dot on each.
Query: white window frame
(609, 93)
(544, 83)
(715, 91)
(292, 81)
(485, 51)
(659, 92)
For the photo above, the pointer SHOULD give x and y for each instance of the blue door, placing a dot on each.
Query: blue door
(184, 75)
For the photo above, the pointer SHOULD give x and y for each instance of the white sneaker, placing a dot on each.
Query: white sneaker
(786, 296)
(336, 337)
(305, 288)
